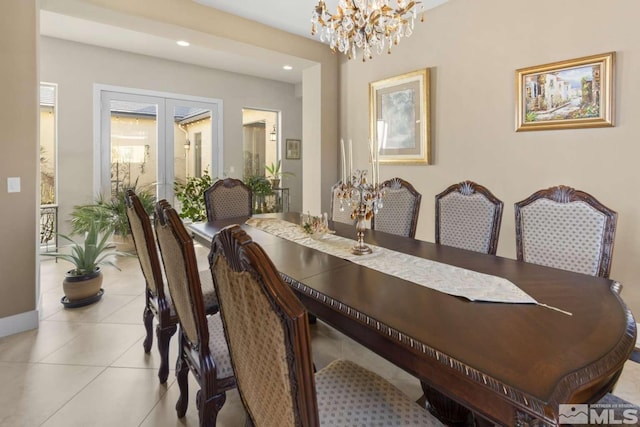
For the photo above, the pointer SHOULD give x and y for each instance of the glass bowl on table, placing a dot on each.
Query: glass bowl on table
(315, 227)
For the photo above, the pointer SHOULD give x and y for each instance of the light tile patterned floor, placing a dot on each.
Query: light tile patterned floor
(86, 366)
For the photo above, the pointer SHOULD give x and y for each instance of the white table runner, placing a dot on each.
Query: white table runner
(445, 278)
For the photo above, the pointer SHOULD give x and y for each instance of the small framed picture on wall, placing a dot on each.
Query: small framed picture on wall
(292, 149)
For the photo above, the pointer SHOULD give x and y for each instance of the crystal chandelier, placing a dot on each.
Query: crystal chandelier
(365, 24)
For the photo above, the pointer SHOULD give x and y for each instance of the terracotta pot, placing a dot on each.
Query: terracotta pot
(275, 183)
(81, 287)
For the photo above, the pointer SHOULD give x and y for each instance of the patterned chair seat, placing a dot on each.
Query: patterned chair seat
(372, 400)
(218, 346)
(565, 228)
(468, 216)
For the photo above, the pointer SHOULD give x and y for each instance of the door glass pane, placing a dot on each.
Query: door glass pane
(134, 145)
(192, 142)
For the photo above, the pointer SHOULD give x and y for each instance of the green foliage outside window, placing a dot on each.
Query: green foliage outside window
(191, 196)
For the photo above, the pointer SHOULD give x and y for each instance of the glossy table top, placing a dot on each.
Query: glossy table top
(487, 356)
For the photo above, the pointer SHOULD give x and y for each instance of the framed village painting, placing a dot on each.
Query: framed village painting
(577, 93)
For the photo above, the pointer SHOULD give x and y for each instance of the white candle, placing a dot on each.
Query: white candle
(342, 157)
(372, 159)
(377, 163)
(350, 160)
(379, 147)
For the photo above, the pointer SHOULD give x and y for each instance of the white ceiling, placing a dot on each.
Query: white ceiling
(293, 16)
(159, 40)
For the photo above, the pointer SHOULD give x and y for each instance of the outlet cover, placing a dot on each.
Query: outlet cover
(13, 184)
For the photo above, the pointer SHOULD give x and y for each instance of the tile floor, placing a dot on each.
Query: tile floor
(86, 366)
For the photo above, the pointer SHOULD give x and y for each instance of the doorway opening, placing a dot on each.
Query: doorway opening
(150, 140)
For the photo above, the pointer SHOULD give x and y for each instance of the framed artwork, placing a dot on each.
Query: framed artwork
(399, 118)
(292, 149)
(577, 93)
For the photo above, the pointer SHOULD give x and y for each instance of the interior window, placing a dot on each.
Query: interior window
(48, 166)
(260, 140)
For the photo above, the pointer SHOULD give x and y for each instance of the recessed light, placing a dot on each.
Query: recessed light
(182, 43)
(287, 67)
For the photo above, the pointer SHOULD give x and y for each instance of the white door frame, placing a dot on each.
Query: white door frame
(102, 155)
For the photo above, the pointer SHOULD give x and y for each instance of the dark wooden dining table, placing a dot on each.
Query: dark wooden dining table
(511, 364)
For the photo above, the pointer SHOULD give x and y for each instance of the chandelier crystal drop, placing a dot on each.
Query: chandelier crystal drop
(369, 25)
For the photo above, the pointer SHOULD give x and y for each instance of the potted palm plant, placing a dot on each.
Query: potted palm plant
(275, 173)
(82, 285)
(109, 214)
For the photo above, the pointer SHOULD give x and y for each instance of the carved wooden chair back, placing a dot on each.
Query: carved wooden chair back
(401, 206)
(267, 332)
(157, 301)
(228, 198)
(468, 216)
(565, 228)
(145, 244)
(202, 345)
(338, 215)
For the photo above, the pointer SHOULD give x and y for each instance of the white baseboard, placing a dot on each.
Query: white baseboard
(18, 323)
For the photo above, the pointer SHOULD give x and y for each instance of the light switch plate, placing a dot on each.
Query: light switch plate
(13, 184)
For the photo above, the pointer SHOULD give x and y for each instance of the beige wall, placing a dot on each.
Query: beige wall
(76, 67)
(473, 49)
(19, 142)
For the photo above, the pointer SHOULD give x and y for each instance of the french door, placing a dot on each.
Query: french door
(150, 141)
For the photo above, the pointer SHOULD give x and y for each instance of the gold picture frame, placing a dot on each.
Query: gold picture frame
(400, 118)
(578, 93)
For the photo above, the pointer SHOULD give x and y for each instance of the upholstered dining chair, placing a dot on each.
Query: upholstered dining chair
(158, 303)
(202, 346)
(401, 206)
(337, 215)
(565, 228)
(228, 198)
(268, 337)
(468, 216)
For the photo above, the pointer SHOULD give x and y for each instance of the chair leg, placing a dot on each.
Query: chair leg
(147, 318)
(208, 408)
(164, 337)
(182, 376)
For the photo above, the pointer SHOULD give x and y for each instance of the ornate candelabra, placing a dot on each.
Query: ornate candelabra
(364, 200)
